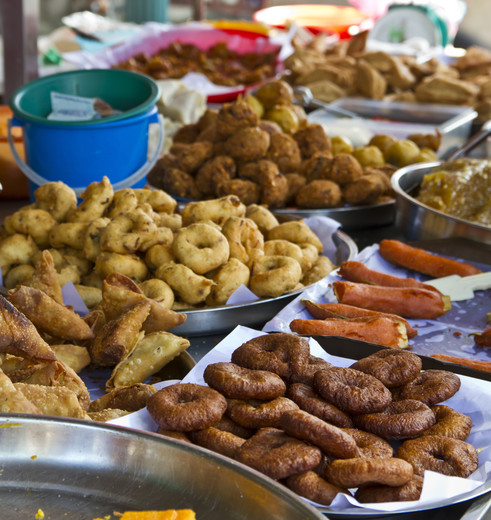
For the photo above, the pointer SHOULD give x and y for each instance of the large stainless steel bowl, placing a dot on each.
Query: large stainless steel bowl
(420, 222)
(81, 470)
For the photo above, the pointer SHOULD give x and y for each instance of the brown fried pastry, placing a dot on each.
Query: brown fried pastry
(12, 400)
(48, 315)
(18, 336)
(369, 81)
(130, 398)
(45, 277)
(442, 89)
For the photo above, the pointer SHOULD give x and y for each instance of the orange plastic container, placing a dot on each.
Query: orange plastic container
(13, 181)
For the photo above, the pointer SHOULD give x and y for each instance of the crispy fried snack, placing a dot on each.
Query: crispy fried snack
(74, 356)
(12, 400)
(16, 249)
(150, 355)
(118, 337)
(19, 337)
(48, 315)
(45, 277)
(95, 199)
(53, 400)
(128, 398)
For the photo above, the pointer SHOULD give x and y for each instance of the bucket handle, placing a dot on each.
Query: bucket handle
(129, 181)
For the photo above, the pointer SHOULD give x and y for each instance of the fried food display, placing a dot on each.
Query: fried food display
(344, 432)
(348, 68)
(268, 153)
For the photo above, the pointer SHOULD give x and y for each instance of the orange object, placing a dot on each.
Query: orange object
(340, 20)
(13, 181)
(372, 329)
(409, 302)
(423, 261)
(483, 339)
(322, 311)
(471, 363)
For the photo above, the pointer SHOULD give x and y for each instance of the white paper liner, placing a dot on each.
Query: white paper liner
(449, 334)
(471, 399)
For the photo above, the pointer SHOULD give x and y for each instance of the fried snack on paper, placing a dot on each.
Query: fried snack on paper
(48, 315)
(45, 277)
(76, 357)
(129, 398)
(150, 354)
(13, 400)
(118, 337)
(19, 337)
(120, 293)
(108, 414)
(53, 400)
(57, 373)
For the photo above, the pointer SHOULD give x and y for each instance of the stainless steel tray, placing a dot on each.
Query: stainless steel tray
(350, 217)
(420, 222)
(217, 320)
(79, 470)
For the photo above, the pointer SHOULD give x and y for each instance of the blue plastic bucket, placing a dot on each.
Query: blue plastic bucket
(81, 154)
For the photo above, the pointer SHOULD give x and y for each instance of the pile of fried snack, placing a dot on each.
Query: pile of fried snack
(320, 429)
(185, 258)
(263, 149)
(348, 69)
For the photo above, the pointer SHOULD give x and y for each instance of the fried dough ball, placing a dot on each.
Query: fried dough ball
(272, 276)
(431, 141)
(311, 139)
(207, 119)
(18, 275)
(345, 168)
(369, 156)
(189, 157)
(248, 144)
(318, 166)
(159, 291)
(318, 194)
(175, 181)
(262, 216)
(159, 200)
(96, 198)
(234, 116)
(131, 266)
(214, 171)
(341, 144)
(247, 191)
(187, 134)
(310, 256)
(284, 151)
(228, 279)
(382, 142)
(68, 234)
(31, 221)
(295, 231)
(56, 198)
(321, 268)
(274, 186)
(402, 152)
(283, 248)
(244, 238)
(273, 93)
(295, 182)
(216, 210)
(91, 296)
(285, 116)
(255, 104)
(365, 190)
(201, 247)
(158, 254)
(190, 287)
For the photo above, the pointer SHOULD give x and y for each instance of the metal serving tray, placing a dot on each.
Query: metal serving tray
(81, 470)
(420, 222)
(217, 320)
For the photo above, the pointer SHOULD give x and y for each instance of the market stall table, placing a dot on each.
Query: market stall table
(363, 238)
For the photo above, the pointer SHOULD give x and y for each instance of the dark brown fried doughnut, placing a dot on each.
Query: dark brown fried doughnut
(272, 452)
(281, 353)
(430, 387)
(376, 493)
(217, 440)
(308, 400)
(352, 391)
(352, 473)
(186, 407)
(313, 487)
(370, 446)
(399, 420)
(391, 366)
(330, 439)
(236, 382)
(305, 373)
(441, 454)
(259, 414)
(449, 423)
